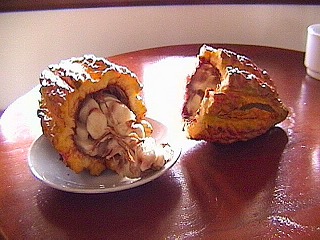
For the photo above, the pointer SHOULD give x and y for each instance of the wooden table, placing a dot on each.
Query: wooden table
(265, 188)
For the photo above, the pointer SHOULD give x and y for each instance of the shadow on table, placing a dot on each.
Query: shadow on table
(112, 215)
(233, 184)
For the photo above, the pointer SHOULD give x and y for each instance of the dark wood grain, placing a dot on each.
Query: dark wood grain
(27, 5)
(264, 188)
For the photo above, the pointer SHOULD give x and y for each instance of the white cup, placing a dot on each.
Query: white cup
(312, 56)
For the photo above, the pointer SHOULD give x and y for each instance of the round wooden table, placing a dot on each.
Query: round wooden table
(268, 187)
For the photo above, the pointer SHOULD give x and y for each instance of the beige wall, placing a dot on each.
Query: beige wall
(31, 40)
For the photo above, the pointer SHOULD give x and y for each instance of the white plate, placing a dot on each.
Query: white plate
(45, 164)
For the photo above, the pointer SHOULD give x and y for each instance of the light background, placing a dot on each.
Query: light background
(31, 40)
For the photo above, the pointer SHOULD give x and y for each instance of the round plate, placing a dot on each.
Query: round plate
(46, 165)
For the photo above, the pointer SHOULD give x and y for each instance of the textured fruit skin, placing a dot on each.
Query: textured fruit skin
(242, 105)
(64, 86)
